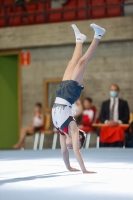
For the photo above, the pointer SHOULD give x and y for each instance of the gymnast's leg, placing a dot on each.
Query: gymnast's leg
(23, 133)
(78, 73)
(80, 38)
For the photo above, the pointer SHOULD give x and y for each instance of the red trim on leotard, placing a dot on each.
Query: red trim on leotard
(65, 129)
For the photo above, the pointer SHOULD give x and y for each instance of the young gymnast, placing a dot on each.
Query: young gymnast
(70, 89)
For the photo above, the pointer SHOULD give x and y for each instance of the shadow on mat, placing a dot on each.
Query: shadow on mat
(51, 175)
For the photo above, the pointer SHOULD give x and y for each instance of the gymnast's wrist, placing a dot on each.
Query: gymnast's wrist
(84, 170)
(68, 167)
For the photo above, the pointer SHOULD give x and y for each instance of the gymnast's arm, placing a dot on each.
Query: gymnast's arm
(75, 139)
(65, 153)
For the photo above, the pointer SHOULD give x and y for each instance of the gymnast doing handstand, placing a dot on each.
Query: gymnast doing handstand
(68, 93)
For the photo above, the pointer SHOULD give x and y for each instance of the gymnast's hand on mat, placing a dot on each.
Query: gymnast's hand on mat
(71, 169)
(88, 172)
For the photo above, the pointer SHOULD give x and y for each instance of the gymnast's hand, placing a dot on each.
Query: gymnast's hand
(112, 123)
(71, 169)
(88, 172)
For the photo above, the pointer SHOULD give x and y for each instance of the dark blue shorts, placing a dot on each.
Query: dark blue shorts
(69, 90)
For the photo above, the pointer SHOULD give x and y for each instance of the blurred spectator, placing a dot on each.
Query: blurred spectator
(37, 124)
(89, 115)
(78, 107)
(114, 111)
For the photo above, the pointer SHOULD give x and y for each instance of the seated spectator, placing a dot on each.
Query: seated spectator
(37, 124)
(77, 106)
(89, 115)
(114, 111)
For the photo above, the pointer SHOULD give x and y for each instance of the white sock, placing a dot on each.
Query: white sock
(99, 31)
(79, 36)
(76, 30)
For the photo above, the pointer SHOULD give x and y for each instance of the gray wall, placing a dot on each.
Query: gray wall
(118, 29)
(113, 63)
(51, 47)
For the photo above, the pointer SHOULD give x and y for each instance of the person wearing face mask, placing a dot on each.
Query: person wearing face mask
(114, 111)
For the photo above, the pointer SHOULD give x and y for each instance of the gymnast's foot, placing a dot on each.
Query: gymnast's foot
(99, 31)
(79, 36)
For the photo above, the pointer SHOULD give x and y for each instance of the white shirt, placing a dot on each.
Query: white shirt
(37, 121)
(116, 114)
(89, 113)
